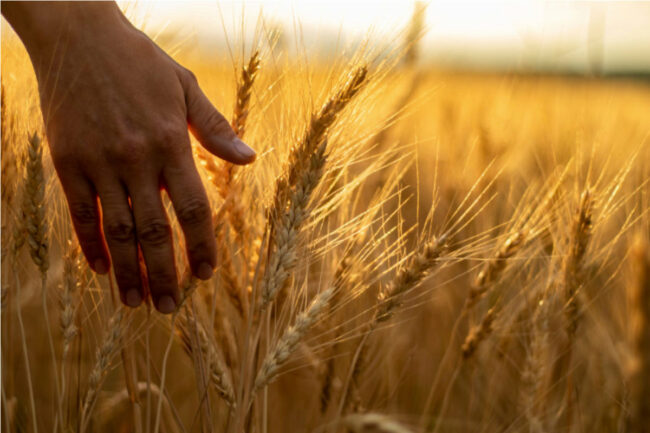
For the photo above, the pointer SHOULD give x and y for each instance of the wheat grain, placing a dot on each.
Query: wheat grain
(34, 205)
(70, 291)
(572, 265)
(219, 376)
(409, 277)
(493, 269)
(244, 88)
(478, 334)
(300, 154)
(287, 229)
(287, 344)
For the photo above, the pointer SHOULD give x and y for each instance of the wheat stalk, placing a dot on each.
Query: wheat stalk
(640, 377)
(536, 366)
(581, 231)
(227, 271)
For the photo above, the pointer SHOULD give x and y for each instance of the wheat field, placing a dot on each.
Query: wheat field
(415, 250)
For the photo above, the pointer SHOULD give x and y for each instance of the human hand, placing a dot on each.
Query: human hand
(116, 111)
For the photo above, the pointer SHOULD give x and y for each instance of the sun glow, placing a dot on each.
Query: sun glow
(528, 34)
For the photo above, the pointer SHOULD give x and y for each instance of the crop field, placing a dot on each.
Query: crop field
(415, 249)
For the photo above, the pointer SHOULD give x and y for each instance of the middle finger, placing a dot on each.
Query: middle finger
(155, 238)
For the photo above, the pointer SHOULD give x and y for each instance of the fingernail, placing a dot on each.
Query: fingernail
(244, 150)
(133, 298)
(204, 271)
(100, 266)
(166, 304)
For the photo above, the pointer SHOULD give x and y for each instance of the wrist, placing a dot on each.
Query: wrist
(41, 26)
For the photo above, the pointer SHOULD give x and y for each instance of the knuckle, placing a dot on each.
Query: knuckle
(155, 232)
(193, 212)
(127, 277)
(172, 140)
(130, 151)
(218, 123)
(202, 248)
(163, 276)
(119, 230)
(83, 213)
(189, 76)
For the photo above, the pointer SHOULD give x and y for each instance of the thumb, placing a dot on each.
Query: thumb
(210, 127)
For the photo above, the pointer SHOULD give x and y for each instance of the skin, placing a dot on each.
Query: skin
(117, 111)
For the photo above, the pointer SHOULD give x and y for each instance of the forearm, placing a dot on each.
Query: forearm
(43, 25)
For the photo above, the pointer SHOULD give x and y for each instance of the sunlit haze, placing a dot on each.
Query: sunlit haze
(566, 36)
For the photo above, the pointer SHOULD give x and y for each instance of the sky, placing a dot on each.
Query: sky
(578, 36)
(613, 36)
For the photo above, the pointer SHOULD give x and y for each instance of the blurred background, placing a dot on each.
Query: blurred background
(583, 37)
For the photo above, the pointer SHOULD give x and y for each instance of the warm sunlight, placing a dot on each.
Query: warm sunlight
(527, 34)
(325, 216)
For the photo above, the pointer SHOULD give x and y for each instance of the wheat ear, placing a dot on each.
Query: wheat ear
(288, 343)
(69, 298)
(478, 334)
(37, 239)
(70, 291)
(222, 175)
(493, 269)
(34, 205)
(299, 155)
(305, 166)
(244, 88)
(321, 122)
(105, 354)
(572, 265)
(572, 273)
(287, 229)
(219, 376)
(407, 278)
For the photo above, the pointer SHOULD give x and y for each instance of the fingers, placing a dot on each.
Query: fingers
(82, 202)
(194, 214)
(119, 231)
(154, 235)
(210, 127)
